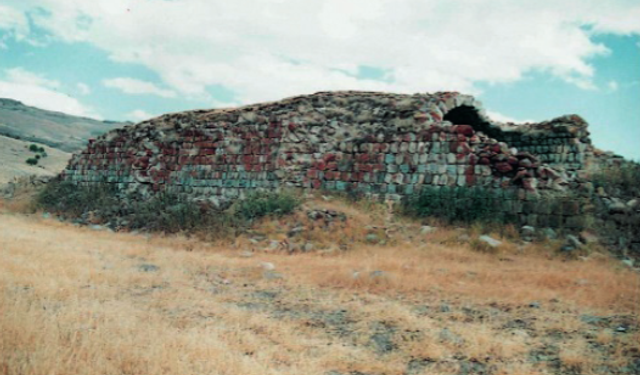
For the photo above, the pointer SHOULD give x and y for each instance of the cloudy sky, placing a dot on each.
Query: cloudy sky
(132, 59)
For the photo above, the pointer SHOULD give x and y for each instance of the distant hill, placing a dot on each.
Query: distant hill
(14, 154)
(58, 130)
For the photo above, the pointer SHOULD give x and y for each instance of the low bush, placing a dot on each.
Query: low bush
(164, 212)
(621, 228)
(170, 213)
(461, 205)
(621, 181)
(32, 161)
(261, 204)
(67, 198)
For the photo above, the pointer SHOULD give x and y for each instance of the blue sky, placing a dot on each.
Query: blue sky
(132, 59)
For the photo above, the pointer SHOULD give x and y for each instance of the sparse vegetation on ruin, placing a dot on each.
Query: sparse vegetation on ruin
(165, 212)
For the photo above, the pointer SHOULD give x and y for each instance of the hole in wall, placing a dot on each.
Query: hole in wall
(467, 115)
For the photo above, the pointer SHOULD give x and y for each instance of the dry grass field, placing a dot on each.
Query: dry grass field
(79, 301)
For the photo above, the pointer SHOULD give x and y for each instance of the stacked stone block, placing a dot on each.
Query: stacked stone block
(382, 145)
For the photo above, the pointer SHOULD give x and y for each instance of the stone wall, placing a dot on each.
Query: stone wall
(383, 145)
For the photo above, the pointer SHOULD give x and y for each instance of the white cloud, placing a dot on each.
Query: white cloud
(274, 48)
(497, 116)
(222, 104)
(83, 88)
(13, 21)
(139, 115)
(35, 90)
(613, 86)
(25, 77)
(137, 87)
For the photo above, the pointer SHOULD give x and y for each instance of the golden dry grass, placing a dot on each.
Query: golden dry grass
(75, 301)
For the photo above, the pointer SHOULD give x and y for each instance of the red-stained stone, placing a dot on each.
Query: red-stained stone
(312, 173)
(503, 167)
(329, 158)
(465, 130)
(473, 159)
(321, 165)
(470, 176)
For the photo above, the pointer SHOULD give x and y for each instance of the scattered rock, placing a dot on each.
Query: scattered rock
(428, 229)
(148, 267)
(326, 215)
(588, 237)
(463, 238)
(372, 238)
(628, 262)
(615, 206)
(527, 233)
(621, 329)
(571, 243)
(246, 254)
(293, 232)
(549, 234)
(267, 266)
(274, 245)
(534, 305)
(490, 241)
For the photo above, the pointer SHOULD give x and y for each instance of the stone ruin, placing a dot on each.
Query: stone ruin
(381, 145)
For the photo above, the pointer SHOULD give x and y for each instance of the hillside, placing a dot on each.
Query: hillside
(14, 153)
(58, 130)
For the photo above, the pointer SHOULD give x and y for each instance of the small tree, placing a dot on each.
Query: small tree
(32, 161)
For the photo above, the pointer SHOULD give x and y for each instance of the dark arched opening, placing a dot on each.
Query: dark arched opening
(467, 115)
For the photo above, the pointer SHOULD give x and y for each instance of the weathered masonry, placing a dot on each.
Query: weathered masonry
(382, 145)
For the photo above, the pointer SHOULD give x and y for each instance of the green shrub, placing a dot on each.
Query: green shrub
(34, 148)
(623, 181)
(32, 161)
(68, 198)
(461, 205)
(260, 204)
(164, 212)
(171, 213)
